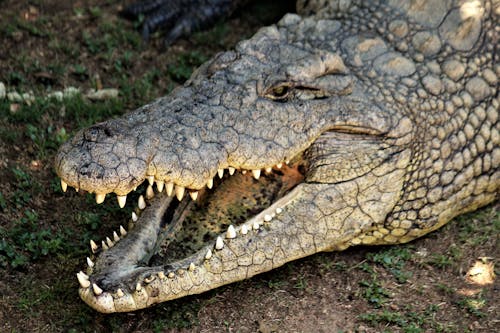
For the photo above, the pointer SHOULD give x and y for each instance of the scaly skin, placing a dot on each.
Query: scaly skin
(389, 112)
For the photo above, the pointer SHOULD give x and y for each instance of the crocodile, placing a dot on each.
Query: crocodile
(351, 123)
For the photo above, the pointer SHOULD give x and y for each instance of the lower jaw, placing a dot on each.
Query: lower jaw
(171, 237)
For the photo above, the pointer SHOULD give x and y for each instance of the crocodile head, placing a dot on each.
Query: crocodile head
(311, 126)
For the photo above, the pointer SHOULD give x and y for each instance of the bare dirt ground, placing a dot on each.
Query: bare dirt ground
(47, 46)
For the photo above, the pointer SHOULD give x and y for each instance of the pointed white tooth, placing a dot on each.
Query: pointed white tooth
(159, 185)
(109, 242)
(231, 171)
(279, 210)
(64, 186)
(135, 188)
(193, 195)
(93, 246)
(256, 225)
(122, 200)
(210, 183)
(243, 172)
(171, 275)
(279, 165)
(115, 236)
(287, 161)
(138, 286)
(244, 229)
(149, 279)
(192, 267)
(141, 203)
(231, 233)
(179, 192)
(256, 174)
(161, 275)
(119, 293)
(104, 246)
(77, 189)
(219, 243)
(83, 279)
(220, 172)
(96, 289)
(169, 187)
(269, 169)
(208, 255)
(151, 180)
(90, 262)
(134, 217)
(99, 198)
(123, 232)
(267, 217)
(150, 193)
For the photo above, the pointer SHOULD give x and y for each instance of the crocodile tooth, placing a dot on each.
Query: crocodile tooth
(243, 172)
(64, 186)
(169, 187)
(161, 275)
(96, 289)
(279, 210)
(104, 246)
(210, 183)
(256, 174)
(138, 286)
(135, 188)
(141, 203)
(231, 171)
(77, 189)
(90, 263)
(134, 217)
(119, 293)
(220, 172)
(83, 279)
(208, 255)
(267, 217)
(159, 185)
(122, 200)
(193, 195)
(219, 243)
(151, 180)
(192, 267)
(244, 229)
(149, 279)
(269, 169)
(231, 233)
(171, 275)
(115, 236)
(287, 162)
(99, 198)
(179, 192)
(256, 225)
(93, 246)
(123, 232)
(109, 242)
(150, 193)
(279, 165)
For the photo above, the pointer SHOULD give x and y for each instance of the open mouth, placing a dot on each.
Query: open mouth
(168, 238)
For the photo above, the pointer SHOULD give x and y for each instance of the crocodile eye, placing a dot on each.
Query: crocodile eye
(279, 93)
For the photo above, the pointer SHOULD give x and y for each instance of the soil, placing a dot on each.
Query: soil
(48, 45)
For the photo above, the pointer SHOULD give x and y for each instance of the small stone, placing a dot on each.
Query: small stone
(103, 94)
(2, 90)
(14, 96)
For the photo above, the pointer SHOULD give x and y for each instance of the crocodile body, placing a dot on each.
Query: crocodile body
(352, 124)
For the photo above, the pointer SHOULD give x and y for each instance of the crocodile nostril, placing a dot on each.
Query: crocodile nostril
(94, 133)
